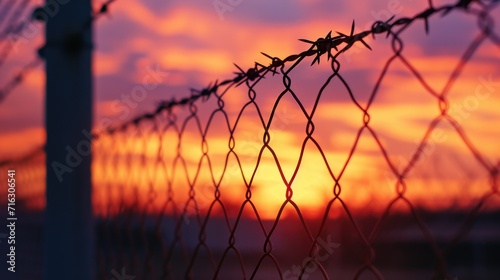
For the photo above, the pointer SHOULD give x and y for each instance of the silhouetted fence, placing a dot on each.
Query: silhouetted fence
(222, 184)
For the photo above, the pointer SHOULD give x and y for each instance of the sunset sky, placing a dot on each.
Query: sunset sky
(188, 44)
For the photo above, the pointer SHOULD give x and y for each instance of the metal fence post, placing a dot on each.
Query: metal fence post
(69, 245)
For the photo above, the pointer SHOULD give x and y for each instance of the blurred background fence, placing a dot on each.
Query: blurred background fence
(209, 187)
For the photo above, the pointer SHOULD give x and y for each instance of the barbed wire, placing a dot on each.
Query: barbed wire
(9, 36)
(324, 46)
(4, 12)
(329, 47)
(22, 7)
(8, 47)
(19, 78)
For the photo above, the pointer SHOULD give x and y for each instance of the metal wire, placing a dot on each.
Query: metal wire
(154, 230)
(18, 79)
(14, 29)
(165, 118)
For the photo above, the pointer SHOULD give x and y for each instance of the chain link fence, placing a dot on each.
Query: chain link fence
(224, 184)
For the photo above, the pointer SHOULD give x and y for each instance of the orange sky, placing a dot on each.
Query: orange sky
(191, 44)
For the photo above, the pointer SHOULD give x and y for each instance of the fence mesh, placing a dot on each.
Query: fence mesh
(210, 186)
